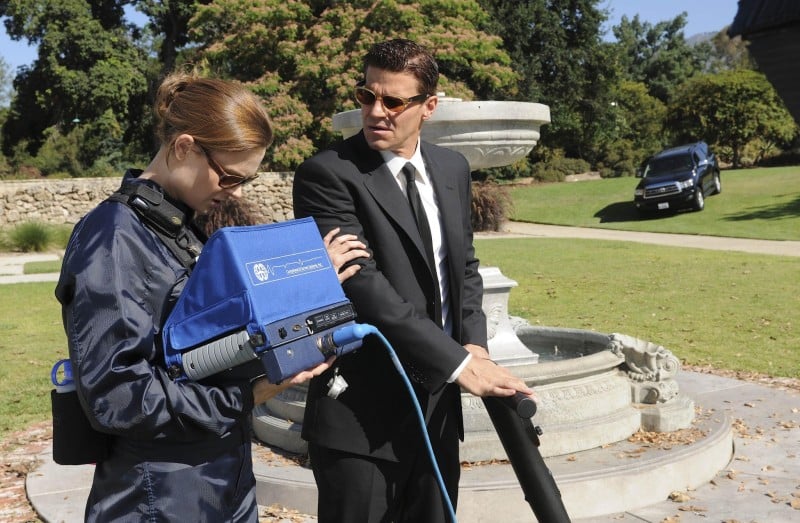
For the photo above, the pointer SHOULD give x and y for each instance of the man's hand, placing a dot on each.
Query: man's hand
(483, 377)
(343, 249)
(263, 390)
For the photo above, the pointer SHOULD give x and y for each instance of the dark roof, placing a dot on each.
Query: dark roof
(755, 16)
(683, 149)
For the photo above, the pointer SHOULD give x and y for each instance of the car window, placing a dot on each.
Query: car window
(668, 164)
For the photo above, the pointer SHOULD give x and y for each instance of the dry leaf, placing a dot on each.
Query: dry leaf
(679, 497)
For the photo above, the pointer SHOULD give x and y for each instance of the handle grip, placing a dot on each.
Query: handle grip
(520, 403)
(219, 355)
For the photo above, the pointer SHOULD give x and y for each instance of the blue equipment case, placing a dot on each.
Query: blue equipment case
(267, 292)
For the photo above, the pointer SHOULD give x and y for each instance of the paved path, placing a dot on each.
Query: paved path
(520, 229)
(12, 267)
(11, 264)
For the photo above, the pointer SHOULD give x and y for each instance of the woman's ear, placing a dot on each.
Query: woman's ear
(182, 145)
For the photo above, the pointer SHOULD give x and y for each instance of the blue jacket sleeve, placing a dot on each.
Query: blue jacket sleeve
(117, 285)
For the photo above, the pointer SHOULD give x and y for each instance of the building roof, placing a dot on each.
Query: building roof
(756, 16)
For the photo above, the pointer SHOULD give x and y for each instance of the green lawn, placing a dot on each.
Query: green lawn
(730, 310)
(754, 203)
(31, 341)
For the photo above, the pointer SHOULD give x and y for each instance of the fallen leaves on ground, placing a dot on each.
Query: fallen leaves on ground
(667, 440)
(679, 497)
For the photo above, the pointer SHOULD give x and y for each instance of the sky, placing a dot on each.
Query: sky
(703, 16)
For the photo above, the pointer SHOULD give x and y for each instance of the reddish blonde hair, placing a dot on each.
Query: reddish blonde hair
(220, 114)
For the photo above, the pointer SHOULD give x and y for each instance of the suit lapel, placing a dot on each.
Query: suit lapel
(450, 210)
(384, 189)
(449, 207)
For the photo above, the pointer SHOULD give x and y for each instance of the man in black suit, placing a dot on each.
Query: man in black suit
(365, 445)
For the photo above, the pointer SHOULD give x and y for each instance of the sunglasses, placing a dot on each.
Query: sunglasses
(226, 181)
(394, 104)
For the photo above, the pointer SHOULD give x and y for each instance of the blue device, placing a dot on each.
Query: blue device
(260, 292)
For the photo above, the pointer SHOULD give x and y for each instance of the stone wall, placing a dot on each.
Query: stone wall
(67, 200)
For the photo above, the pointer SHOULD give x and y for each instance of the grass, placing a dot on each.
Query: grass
(729, 310)
(42, 267)
(31, 341)
(754, 203)
(715, 308)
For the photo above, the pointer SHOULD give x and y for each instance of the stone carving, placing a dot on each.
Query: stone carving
(650, 367)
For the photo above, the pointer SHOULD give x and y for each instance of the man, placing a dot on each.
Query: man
(365, 444)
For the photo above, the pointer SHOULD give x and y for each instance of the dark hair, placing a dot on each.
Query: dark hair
(405, 56)
(230, 212)
(221, 115)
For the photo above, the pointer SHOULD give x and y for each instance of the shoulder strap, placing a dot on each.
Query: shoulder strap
(163, 218)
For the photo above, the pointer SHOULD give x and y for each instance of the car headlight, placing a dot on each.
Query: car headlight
(638, 192)
(685, 184)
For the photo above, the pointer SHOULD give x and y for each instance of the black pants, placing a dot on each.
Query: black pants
(360, 489)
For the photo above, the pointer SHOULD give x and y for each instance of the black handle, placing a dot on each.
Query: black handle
(520, 403)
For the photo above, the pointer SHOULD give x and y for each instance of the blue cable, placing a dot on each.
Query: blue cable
(351, 333)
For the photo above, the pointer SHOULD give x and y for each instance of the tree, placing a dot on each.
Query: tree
(87, 64)
(6, 87)
(638, 130)
(169, 21)
(658, 55)
(555, 46)
(731, 110)
(729, 53)
(304, 58)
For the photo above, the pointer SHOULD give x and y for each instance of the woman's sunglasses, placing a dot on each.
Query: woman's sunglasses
(394, 104)
(226, 181)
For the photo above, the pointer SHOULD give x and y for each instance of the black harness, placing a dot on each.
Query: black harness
(164, 218)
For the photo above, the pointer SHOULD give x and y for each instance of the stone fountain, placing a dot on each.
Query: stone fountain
(595, 389)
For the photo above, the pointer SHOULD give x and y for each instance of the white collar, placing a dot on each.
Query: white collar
(396, 163)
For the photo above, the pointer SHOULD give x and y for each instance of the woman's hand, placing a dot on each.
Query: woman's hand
(343, 249)
(263, 390)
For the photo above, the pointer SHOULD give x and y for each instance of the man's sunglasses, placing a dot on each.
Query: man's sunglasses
(226, 181)
(394, 104)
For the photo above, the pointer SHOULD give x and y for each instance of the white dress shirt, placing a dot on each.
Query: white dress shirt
(395, 164)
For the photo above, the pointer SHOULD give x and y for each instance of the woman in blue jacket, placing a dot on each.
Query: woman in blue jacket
(178, 451)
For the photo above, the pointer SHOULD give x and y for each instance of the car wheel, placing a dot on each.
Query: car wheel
(699, 200)
(717, 184)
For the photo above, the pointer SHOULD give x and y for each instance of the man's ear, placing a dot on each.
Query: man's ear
(430, 106)
(182, 145)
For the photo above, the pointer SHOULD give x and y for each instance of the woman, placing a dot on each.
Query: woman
(179, 451)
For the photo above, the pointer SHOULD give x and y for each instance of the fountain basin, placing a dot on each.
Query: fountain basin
(487, 133)
(584, 397)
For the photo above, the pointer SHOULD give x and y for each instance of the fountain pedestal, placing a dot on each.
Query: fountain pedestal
(594, 389)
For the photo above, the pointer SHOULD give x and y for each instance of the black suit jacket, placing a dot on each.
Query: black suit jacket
(350, 187)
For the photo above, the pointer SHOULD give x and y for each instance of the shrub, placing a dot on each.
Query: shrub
(557, 167)
(30, 236)
(491, 204)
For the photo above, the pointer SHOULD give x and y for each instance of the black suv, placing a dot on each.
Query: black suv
(677, 178)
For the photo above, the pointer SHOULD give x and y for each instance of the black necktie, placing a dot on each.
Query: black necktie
(424, 231)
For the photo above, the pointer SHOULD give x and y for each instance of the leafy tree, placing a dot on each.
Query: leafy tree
(169, 22)
(729, 53)
(731, 110)
(5, 84)
(658, 55)
(87, 65)
(304, 58)
(636, 133)
(555, 46)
